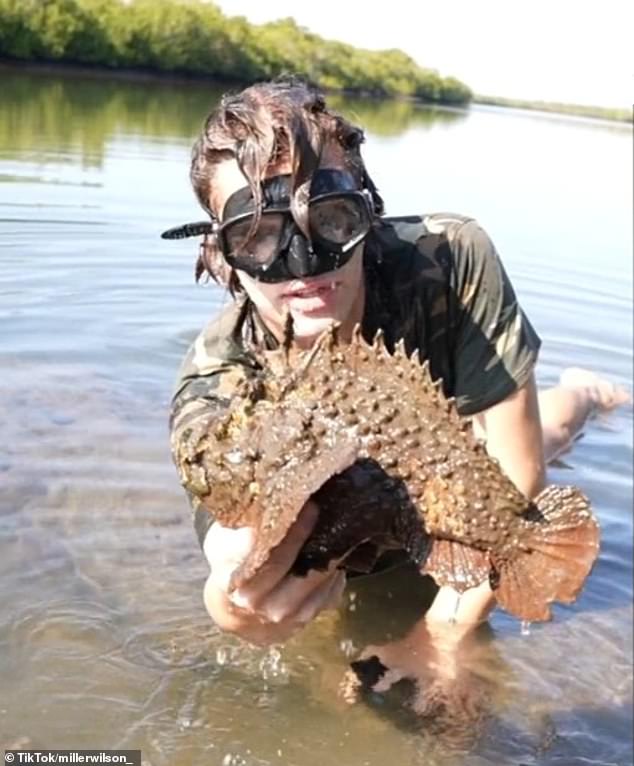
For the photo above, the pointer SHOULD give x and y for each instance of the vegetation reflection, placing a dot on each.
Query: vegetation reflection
(56, 112)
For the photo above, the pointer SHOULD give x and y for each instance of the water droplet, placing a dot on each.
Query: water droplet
(271, 666)
(452, 619)
(233, 759)
(525, 628)
(347, 647)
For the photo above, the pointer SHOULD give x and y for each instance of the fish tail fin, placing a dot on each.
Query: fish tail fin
(555, 558)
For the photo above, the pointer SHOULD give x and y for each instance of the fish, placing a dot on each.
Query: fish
(367, 433)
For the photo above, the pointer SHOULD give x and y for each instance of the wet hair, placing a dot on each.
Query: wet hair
(282, 120)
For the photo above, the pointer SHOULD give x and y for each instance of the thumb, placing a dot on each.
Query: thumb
(225, 550)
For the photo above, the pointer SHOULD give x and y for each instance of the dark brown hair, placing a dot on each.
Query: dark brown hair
(282, 120)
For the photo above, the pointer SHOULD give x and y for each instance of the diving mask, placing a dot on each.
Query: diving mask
(275, 250)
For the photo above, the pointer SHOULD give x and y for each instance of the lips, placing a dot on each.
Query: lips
(310, 290)
(313, 299)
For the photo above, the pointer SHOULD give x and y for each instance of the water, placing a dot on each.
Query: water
(104, 641)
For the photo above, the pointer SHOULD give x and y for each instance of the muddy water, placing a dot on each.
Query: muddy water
(104, 641)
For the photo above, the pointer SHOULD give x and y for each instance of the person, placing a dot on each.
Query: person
(297, 225)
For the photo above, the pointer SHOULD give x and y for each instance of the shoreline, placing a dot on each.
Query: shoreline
(612, 114)
(140, 74)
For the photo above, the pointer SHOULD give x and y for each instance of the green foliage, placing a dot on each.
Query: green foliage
(194, 37)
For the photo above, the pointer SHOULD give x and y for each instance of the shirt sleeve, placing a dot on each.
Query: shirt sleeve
(496, 346)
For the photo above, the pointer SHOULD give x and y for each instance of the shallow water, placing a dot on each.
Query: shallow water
(104, 641)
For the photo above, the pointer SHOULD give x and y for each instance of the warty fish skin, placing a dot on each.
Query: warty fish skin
(392, 465)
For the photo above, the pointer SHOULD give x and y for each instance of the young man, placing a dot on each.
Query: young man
(296, 226)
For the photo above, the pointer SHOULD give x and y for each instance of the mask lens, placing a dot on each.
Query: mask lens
(339, 220)
(262, 247)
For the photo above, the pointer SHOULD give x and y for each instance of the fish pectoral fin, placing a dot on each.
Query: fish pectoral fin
(284, 495)
(460, 566)
(559, 550)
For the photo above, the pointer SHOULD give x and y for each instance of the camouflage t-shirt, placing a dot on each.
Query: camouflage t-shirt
(434, 281)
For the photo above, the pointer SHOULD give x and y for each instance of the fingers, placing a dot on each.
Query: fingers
(247, 625)
(227, 548)
(296, 597)
(260, 629)
(281, 559)
(327, 597)
(272, 597)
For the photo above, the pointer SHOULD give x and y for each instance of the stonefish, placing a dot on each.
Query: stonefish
(392, 465)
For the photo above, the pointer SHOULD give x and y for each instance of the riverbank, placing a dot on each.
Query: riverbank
(573, 110)
(228, 83)
(197, 38)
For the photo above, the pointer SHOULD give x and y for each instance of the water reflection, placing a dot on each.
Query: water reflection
(45, 116)
(391, 118)
(426, 686)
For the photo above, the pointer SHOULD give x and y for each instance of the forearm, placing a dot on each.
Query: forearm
(512, 433)
(525, 468)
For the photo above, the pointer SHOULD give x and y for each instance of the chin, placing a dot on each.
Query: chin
(308, 329)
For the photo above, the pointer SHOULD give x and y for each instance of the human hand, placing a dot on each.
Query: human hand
(273, 604)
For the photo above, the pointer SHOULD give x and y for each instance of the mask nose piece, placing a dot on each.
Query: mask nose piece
(300, 258)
